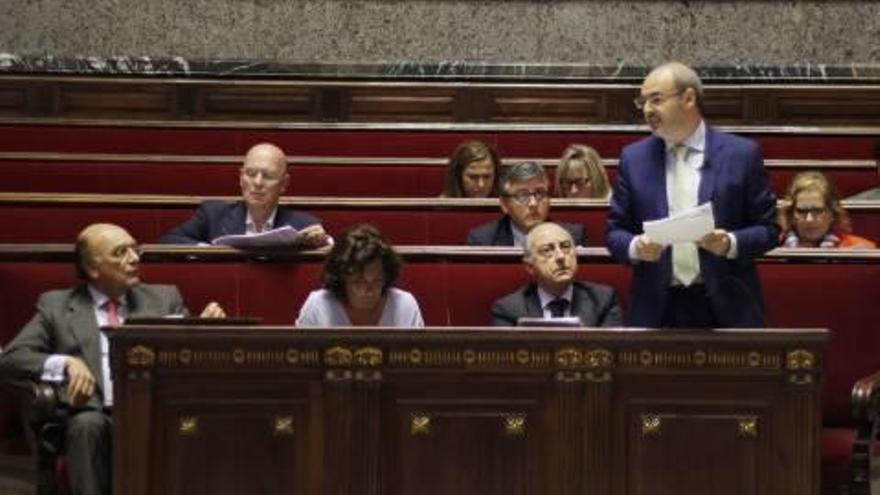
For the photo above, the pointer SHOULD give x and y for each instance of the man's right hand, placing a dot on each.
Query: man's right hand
(647, 250)
(80, 382)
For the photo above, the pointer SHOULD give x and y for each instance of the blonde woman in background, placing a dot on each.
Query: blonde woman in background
(581, 174)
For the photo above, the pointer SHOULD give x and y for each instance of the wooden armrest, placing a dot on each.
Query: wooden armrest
(866, 397)
(43, 401)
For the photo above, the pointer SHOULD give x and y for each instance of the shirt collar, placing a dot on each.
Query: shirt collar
(696, 141)
(99, 298)
(546, 297)
(251, 227)
(519, 237)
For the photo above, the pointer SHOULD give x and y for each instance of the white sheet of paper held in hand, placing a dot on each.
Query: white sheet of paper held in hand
(282, 236)
(686, 226)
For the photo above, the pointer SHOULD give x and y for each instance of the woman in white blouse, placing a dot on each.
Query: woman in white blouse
(359, 273)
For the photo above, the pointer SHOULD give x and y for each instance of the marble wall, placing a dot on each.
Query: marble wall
(595, 32)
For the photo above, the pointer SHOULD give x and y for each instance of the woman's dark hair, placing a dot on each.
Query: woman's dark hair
(359, 246)
(465, 154)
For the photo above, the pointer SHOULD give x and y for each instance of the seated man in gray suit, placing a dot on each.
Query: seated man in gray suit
(263, 178)
(551, 261)
(525, 202)
(62, 343)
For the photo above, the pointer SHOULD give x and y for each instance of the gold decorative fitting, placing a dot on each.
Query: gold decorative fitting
(651, 425)
(291, 356)
(420, 424)
(415, 356)
(800, 359)
(599, 359)
(140, 355)
(368, 357)
(337, 356)
(238, 356)
(569, 358)
(754, 359)
(569, 376)
(189, 426)
(283, 425)
(748, 427)
(185, 356)
(523, 357)
(515, 424)
(469, 356)
(646, 358)
(700, 358)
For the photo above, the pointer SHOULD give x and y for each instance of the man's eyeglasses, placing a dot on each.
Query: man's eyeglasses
(655, 99)
(547, 251)
(127, 250)
(815, 212)
(523, 197)
(253, 173)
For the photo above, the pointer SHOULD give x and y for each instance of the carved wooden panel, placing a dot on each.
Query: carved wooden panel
(13, 100)
(407, 103)
(552, 104)
(128, 101)
(841, 106)
(243, 102)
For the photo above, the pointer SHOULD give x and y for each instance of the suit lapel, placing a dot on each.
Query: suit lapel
(233, 223)
(709, 172)
(657, 176)
(533, 302)
(504, 233)
(84, 327)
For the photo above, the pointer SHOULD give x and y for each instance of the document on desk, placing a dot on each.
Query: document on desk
(686, 226)
(282, 236)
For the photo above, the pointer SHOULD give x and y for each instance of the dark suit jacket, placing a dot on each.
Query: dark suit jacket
(65, 324)
(214, 219)
(499, 233)
(595, 304)
(734, 180)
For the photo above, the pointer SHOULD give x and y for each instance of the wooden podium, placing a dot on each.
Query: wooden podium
(213, 410)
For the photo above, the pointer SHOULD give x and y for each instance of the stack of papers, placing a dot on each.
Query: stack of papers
(280, 237)
(686, 226)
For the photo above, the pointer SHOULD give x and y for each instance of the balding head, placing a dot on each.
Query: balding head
(108, 258)
(550, 257)
(671, 99)
(263, 179)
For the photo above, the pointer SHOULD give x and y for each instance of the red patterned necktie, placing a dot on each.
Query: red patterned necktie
(112, 308)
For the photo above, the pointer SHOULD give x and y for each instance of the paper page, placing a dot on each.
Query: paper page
(282, 236)
(686, 226)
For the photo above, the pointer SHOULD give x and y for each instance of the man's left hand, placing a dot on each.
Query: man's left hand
(716, 242)
(313, 236)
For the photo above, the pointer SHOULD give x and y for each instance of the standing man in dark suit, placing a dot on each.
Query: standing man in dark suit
(712, 282)
(551, 261)
(525, 202)
(62, 343)
(263, 179)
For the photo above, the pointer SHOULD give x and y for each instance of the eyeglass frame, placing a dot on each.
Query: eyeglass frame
(523, 197)
(252, 174)
(656, 99)
(803, 213)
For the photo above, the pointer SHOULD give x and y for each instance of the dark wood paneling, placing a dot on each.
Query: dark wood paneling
(243, 102)
(395, 104)
(392, 101)
(130, 101)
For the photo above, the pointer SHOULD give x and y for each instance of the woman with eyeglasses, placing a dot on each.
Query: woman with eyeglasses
(359, 275)
(814, 218)
(473, 171)
(581, 174)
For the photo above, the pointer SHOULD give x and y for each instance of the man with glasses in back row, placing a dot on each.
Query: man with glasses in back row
(712, 282)
(525, 202)
(263, 178)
